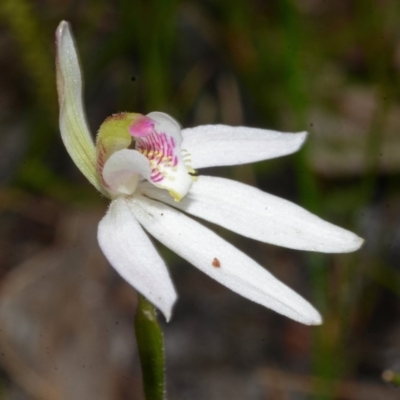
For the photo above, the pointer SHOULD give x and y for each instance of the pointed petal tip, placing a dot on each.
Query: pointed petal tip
(316, 319)
(166, 303)
(310, 316)
(359, 242)
(167, 309)
(302, 136)
(62, 25)
(302, 311)
(354, 243)
(62, 28)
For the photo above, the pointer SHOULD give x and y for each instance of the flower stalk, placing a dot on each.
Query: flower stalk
(151, 350)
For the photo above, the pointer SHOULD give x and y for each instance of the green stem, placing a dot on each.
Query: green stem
(151, 350)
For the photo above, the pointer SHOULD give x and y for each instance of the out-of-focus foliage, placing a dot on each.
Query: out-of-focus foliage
(331, 68)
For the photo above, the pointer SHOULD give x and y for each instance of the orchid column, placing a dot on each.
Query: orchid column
(145, 165)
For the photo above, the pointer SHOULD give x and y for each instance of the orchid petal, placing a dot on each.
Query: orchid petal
(159, 139)
(131, 253)
(260, 216)
(121, 171)
(220, 260)
(169, 125)
(218, 145)
(73, 126)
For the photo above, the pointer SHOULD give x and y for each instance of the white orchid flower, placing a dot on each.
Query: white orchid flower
(144, 164)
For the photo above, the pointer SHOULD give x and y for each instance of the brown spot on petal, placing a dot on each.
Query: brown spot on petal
(215, 263)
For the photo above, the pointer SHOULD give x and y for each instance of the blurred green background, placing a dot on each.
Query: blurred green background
(328, 67)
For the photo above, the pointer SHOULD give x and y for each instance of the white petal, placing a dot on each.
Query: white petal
(167, 124)
(73, 126)
(131, 253)
(203, 248)
(121, 171)
(217, 145)
(261, 216)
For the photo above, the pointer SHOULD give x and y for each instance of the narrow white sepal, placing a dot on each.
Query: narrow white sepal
(131, 253)
(218, 145)
(200, 246)
(121, 171)
(260, 216)
(73, 126)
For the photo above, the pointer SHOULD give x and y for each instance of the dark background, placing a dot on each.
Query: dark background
(329, 67)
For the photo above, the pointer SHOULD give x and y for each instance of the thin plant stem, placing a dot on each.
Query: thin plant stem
(151, 350)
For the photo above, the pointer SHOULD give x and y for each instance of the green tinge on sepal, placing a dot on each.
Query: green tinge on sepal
(113, 135)
(151, 350)
(73, 126)
(80, 147)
